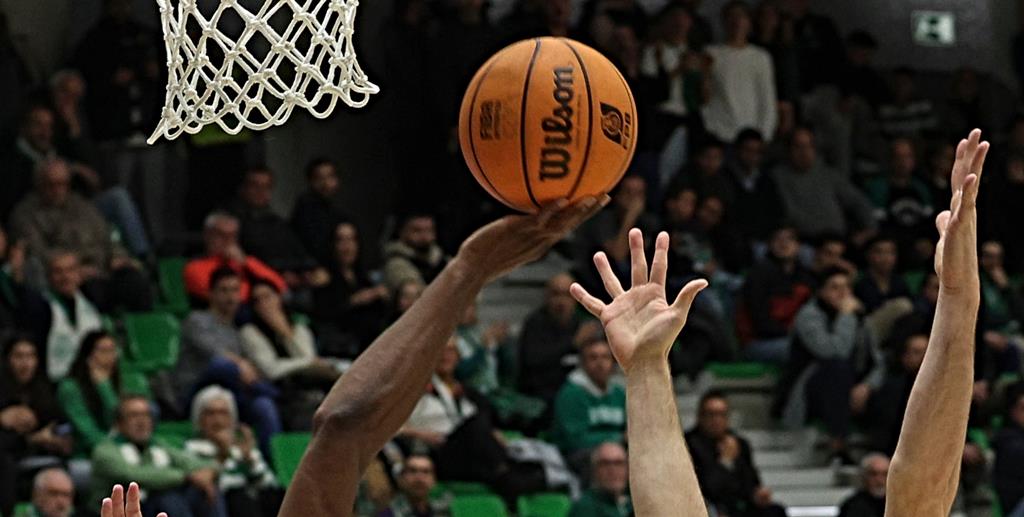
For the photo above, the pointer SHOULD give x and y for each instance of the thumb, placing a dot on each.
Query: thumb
(942, 221)
(688, 293)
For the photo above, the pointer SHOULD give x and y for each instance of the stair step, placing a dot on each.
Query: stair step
(798, 478)
(784, 459)
(814, 497)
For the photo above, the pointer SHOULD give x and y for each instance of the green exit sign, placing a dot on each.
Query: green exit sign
(934, 28)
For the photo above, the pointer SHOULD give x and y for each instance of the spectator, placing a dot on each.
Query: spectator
(880, 282)
(608, 231)
(246, 481)
(177, 482)
(1007, 193)
(416, 480)
(725, 468)
(53, 217)
(966, 107)
(220, 234)
(72, 134)
(883, 412)
(818, 44)
(268, 237)
(940, 165)
(706, 174)
(71, 316)
(831, 253)
(818, 200)
(859, 76)
(1009, 448)
(318, 211)
(39, 142)
(1002, 317)
(92, 389)
(906, 113)
(869, 501)
(403, 297)
(702, 32)
(903, 205)
(742, 80)
(122, 61)
(28, 415)
(352, 310)
(547, 342)
(756, 207)
(830, 357)
(284, 351)
(608, 496)
(18, 302)
(53, 494)
(483, 352)
(776, 33)
(454, 422)
(212, 352)
(774, 291)
(589, 409)
(415, 255)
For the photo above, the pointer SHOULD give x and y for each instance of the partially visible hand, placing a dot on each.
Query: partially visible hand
(496, 334)
(89, 271)
(973, 455)
(223, 440)
(999, 276)
(19, 419)
(117, 505)
(234, 253)
(205, 480)
(995, 340)
(247, 372)
(762, 496)
(246, 440)
(859, 397)
(728, 448)
(980, 392)
(957, 226)
(515, 240)
(850, 305)
(318, 277)
(640, 324)
(45, 438)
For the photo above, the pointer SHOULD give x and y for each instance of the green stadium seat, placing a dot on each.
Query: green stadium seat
(23, 510)
(170, 276)
(747, 370)
(153, 339)
(543, 505)
(133, 379)
(478, 506)
(288, 449)
(460, 488)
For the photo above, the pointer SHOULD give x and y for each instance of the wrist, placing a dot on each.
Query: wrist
(646, 367)
(467, 275)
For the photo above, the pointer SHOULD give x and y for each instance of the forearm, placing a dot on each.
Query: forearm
(662, 480)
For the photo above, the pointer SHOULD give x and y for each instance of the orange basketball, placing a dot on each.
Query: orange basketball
(545, 119)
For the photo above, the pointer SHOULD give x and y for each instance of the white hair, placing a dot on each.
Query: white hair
(43, 477)
(217, 216)
(208, 395)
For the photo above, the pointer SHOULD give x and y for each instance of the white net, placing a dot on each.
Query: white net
(248, 66)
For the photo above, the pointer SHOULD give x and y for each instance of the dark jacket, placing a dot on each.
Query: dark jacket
(771, 298)
(862, 504)
(544, 346)
(268, 236)
(314, 220)
(731, 490)
(756, 211)
(1008, 477)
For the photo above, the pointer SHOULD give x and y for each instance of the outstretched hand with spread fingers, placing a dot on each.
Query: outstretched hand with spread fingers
(120, 504)
(639, 323)
(958, 225)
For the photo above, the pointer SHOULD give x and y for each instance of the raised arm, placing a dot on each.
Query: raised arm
(641, 327)
(925, 469)
(374, 398)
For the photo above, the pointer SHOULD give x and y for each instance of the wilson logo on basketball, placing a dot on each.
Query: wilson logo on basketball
(616, 127)
(555, 156)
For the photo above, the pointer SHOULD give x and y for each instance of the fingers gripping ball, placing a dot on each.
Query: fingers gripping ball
(546, 119)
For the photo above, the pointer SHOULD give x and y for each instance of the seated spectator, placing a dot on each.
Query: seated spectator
(869, 501)
(880, 281)
(883, 408)
(415, 255)
(402, 298)
(547, 342)
(177, 482)
(608, 231)
(830, 252)
(53, 494)
(757, 208)
(859, 76)
(69, 318)
(454, 422)
(608, 495)
(774, 291)
(742, 80)
(53, 217)
(352, 310)
(1002, 318)
(903, 204)
(818, 200)
(284, 352)
(725, 468)
(1006, 195)
(940, 168)
(18, 302)
(220, 234)
(318, 211)
(71, 130)
(246, 481)
(831, 355)
(484, 353)
(212, 352)
(706, 175)
(92, 389)
(29, 415)
(589, 409)
(268, 237)
(1009, 448)
(906, 113)
(416, 480)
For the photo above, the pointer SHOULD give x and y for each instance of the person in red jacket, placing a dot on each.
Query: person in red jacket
(220, 232)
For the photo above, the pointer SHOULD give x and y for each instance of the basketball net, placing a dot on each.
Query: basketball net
(286, 54)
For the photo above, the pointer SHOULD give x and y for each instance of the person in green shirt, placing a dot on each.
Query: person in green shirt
(90, 393)
(608, 496)
(175, 481)
(53, 495)
(589, 409)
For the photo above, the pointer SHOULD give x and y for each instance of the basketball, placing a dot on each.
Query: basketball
(545, 119)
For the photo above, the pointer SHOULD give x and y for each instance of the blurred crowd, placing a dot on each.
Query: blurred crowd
(789, 170)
